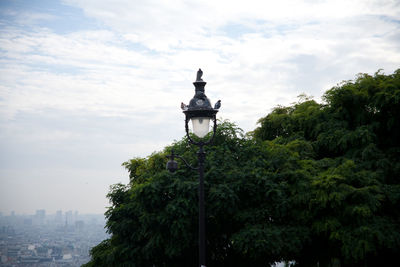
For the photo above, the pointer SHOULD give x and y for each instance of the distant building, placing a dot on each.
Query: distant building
(58, 219)
(39, 217)
(68, 218)
(79, 225)
(28, 221)
(40, 213)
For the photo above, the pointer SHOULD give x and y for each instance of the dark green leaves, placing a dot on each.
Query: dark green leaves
(315, 184)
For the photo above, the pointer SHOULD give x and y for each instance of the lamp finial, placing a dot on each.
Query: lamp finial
(199, 74)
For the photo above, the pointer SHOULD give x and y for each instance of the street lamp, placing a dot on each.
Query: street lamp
(200, 112)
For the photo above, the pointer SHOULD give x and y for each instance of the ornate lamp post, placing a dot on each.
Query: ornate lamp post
(200, 112)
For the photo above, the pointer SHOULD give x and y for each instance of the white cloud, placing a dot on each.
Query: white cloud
(137, 64)
(285, 47)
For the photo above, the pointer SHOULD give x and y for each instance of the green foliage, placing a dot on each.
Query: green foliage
(313, 185)
(353, 162)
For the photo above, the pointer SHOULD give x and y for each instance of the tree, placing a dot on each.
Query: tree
(317, 184)
(354, 167)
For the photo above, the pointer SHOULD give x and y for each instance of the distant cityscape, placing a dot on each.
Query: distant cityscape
(41, 240)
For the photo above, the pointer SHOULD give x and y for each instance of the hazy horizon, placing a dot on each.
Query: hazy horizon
(48, 213)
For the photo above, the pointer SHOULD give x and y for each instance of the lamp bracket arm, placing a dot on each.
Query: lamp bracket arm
(173, 156)
(186, 163)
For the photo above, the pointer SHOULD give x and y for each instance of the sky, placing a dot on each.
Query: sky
(88, 84)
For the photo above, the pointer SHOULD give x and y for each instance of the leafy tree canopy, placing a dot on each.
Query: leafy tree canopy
(317, 184)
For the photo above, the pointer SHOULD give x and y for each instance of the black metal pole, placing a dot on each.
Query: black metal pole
(202, 231)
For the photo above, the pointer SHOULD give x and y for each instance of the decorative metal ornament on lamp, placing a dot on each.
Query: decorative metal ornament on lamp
(200, 112)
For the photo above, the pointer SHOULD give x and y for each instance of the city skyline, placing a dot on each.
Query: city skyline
(49, 240)
(47, 213)
(88, 85)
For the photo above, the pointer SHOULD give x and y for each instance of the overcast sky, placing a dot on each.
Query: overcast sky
(88, 84)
